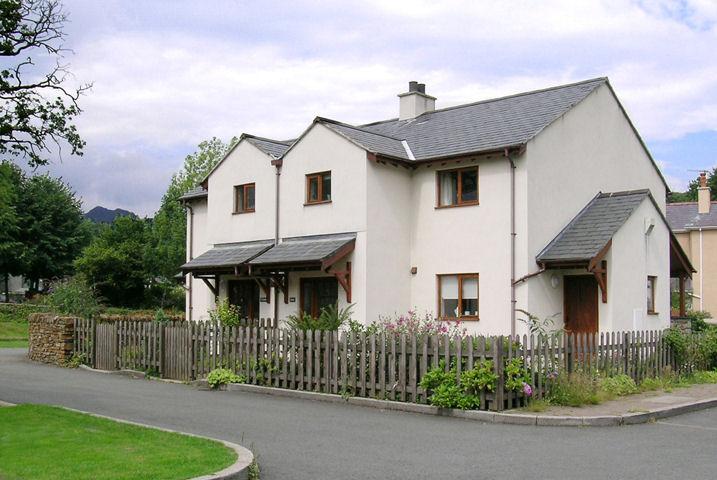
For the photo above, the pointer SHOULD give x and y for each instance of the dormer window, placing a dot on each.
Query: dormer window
(318, 188)
(458, 187)
(244, 198)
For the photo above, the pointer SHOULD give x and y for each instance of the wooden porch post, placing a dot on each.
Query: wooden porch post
(682, 295)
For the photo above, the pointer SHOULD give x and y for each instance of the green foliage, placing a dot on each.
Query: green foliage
(76, 360)
(222, 376)
(691, 194)
(449, 395)
(516, 375)
(707, 348)
(11, 246)
(253, 471)
(574, 390)
(538, 326)
(537, 405)
(226, 314)
(73, 297)
(619, 385)
(437, 376)
(697, 320)
(161, 316)
(480, 377)
(114, 262)
(678, 343)
(331, 318)
(704, 377)
(263, 369)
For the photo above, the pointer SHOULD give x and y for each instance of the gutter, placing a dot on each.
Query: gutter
(278, 165)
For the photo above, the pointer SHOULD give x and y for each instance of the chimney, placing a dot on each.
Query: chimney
(703, 195)
(415, 102)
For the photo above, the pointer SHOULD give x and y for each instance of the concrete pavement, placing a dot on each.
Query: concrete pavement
(301, 439)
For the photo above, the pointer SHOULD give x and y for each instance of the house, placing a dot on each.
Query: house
(545, 202)
(695, 226)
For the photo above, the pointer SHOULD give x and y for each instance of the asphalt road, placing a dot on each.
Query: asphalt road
(301, 439)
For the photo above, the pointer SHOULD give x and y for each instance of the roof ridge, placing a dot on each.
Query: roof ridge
(249, 136)
(489, 100)
(623, 193)
(348, 125)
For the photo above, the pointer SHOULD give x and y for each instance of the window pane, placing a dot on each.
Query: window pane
(469, 289)
(313, 189)
(448, 187)
(307, 289)
(326, 187)
(250, 197)
(469, 185)
(449, 296)
(327, 293)
(239, 205)
(650, 294)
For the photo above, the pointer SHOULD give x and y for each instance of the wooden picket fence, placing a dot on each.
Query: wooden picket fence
(386, 366)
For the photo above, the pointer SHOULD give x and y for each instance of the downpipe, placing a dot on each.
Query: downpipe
(513, 300)
(191, 256)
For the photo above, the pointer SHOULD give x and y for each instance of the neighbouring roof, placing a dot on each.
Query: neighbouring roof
(685, 216)
(306, 250)
(593, 227)
(227, 255)
(198, 192)
(274, 148)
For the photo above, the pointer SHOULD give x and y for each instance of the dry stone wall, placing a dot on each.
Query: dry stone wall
(50, 338)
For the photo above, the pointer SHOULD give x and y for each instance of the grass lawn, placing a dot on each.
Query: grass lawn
(13, 324)
(44, 442)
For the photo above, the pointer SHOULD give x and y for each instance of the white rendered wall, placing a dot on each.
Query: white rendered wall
(469, 239)
(202, 297)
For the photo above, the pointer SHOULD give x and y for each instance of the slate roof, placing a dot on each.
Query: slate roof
(197, 192)
(592, 227)
(310, 249)
(227, 255)
(274, 148)
(484, 126)
(373, 142)
(685, 216)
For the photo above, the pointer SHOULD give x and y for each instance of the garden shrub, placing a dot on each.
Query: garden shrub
(707, 348)
(222, 376)
(697, 320)
(411, 323)
(619, 385)
(573, 390)
(704, 377)
(226, 314)
(678, 343)
(331, 318)
(73, 297)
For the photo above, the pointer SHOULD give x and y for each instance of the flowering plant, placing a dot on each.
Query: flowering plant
(411, 323)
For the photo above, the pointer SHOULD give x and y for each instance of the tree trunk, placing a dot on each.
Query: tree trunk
(7, 287)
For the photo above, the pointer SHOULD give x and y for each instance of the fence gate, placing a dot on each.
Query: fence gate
(177, 356)
(106, 346)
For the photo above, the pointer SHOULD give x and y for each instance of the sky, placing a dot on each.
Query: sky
(168, 74)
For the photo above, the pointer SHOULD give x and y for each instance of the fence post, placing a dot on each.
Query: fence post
(625, 351)
(499, 367)
(161, 349)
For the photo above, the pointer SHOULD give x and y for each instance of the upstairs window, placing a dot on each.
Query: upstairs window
(458, 296)
(651, 294)
(244, 198)
(318, 188)
(457, 187)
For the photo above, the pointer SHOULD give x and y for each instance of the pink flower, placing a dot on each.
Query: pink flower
(527, 389)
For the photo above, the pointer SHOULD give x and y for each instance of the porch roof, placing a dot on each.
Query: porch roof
(592, 228)
(226, 256)
(316, 250)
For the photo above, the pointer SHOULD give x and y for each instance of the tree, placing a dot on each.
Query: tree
(114, 263)
(36, 104)
(168, 251)
(11, 246)
(52, 228)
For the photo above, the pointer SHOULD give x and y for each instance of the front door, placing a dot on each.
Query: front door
(581, 304)
(245, 295)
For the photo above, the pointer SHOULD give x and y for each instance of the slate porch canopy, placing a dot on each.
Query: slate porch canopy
(226, 258)
(585, 241)
(315, 251)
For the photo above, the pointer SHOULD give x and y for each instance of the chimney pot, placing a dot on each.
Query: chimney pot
(422, 87)
(703, 195)
(703, 179)
(412, 86)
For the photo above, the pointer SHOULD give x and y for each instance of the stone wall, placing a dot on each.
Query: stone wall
(50, 338)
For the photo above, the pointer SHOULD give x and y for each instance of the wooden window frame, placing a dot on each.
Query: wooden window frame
(652, 280)
(315, 312)
(459, 187)
(461, 277)
(244, 189)
(320, 188)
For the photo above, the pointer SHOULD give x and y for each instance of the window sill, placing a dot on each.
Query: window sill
(465, 318)
(241, 213)
(653, 313)
(467, 204)
(323, 202)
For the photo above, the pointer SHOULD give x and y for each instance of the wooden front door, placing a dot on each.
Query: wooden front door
(581, 304)
(245, 295)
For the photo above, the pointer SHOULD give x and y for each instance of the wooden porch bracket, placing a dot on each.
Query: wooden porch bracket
(281, 283)
(214, 288)
(344, 279)
(265, 287)
(598, 267)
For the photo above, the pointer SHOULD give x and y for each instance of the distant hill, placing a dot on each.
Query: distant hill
(101, 214)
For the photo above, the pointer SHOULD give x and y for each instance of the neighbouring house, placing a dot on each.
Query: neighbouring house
(695, 226)
(13, 288)
(545, 202)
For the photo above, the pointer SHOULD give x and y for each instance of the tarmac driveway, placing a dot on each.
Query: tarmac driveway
(302, 439)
